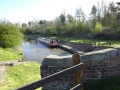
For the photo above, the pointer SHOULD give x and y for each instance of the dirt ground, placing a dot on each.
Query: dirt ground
(3, 71)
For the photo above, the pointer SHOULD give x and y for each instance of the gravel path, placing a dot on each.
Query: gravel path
(3, 68)
(3, 72)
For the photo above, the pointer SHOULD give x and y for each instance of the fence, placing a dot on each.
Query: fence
(76, 69)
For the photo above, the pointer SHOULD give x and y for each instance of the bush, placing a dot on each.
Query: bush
(118, 30)
(50, 30)
(98, 28)
(10, 35)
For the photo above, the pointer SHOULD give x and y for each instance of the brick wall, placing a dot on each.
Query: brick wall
(97, 70)
(64, 83)
(100, 64)
(96, 65)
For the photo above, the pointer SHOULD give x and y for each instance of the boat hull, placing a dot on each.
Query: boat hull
(47, 43)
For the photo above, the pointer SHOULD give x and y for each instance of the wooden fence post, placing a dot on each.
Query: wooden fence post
(95, 43)
(110, 43)
(76, 39)
(84, 41)
(99, 43)
(69, 39)
(78, 75)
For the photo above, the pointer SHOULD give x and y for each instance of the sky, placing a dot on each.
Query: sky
(23, 11)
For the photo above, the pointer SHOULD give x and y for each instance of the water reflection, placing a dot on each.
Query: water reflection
(35, 51)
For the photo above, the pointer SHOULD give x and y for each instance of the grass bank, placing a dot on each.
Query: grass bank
(99, 42)
(11, 53)
(20, 75)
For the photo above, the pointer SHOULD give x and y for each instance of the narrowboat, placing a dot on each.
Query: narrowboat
(48, 41)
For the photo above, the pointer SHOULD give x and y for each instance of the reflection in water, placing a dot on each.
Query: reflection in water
(35, 51)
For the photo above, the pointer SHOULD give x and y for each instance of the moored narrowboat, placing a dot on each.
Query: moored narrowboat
(48, 41)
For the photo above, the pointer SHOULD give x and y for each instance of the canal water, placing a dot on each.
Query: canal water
(35, 51)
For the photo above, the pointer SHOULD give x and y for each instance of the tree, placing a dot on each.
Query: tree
(118, 13)
(93, 13)
(80, 18)
(62, 18)
(70, 20)
(41, 22)
(113, 14)
(24, 25)
(57, 25)
(29, 24)
(98, 14)
(98, 28)
(80, 15)
(105, 15)
(63, 24)
(10, 35)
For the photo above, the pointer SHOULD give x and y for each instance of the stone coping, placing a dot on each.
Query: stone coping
(58, 60)
(95, 56)
(100, 55)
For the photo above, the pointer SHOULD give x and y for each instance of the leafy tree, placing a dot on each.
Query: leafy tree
(98, 14)
(80, 15)
(94, 10)
(29, 24)
(71, 22)
(41, 22)
(113, 14)
(118, 14)
(110, 15)
(70, 18)
(10, 35)
(24, 25)
(50, 30)
(93, 13)
(62, 18)
(80, 18)
(57, 25)
(98, 28)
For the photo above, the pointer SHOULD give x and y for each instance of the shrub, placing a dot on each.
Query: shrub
(98, 28)
(118, 30)
(10, 35)
(50, 30)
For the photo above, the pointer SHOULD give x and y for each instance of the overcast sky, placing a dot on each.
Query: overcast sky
(25, 10)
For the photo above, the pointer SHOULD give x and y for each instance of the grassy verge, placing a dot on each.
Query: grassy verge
(109, 83)
(10, 53)
(99, 42)
(20, 75)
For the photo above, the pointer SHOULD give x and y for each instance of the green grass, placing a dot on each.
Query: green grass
(99, 42)
(9, 54)
(21, 75)
(109, 83)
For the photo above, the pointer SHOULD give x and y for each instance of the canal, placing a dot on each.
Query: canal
(35, 51)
